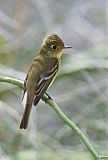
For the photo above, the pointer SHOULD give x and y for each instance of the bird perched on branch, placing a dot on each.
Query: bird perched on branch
(42, 73)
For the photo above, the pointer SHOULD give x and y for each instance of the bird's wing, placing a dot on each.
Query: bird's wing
(45, 80)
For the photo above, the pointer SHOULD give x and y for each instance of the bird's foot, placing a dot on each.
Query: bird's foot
(49, 97)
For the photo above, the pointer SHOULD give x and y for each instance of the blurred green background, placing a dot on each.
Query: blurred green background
(81, 88)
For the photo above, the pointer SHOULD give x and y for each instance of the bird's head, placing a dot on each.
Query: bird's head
(53, 45)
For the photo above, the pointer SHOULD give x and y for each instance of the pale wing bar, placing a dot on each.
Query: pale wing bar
(43, 79)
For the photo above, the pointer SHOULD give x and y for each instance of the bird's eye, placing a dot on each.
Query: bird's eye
(54, 47)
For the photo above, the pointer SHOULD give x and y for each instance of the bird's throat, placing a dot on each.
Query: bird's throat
(58, 54)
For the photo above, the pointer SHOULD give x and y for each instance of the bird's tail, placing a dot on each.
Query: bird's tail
(25, 118)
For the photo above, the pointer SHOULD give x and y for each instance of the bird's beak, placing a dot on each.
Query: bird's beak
(67, 47)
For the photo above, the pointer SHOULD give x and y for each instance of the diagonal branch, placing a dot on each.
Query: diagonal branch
(51, 103)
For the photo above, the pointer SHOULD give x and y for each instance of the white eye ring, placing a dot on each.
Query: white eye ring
(54, 47)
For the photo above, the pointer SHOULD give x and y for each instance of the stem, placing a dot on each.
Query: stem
(72, 126)
(13, 81)
(51, 103)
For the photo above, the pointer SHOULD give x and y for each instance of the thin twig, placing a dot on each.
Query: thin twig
(51, 103)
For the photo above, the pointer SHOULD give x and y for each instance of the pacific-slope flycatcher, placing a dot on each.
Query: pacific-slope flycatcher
(42, 73)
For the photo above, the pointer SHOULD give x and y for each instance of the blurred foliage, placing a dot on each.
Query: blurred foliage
(81, 88)
(2, 41)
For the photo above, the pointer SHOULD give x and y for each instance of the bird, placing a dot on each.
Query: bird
(42, 73)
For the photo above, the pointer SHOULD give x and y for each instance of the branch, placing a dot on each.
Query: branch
(51, 103)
